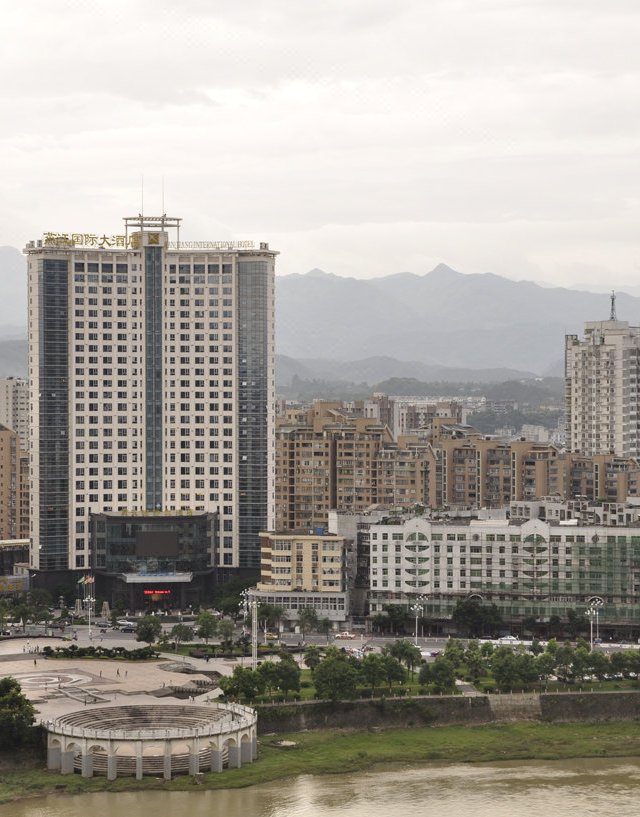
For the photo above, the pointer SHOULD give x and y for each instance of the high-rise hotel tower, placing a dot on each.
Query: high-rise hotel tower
(151, 370)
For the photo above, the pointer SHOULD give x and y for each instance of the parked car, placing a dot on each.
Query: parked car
(345, 634)
(128, 628)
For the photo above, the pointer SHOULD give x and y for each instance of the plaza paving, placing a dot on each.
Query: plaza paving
(60, 685)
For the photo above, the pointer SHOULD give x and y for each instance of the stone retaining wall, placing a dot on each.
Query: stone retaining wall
(594, 706)
(367, 714)
(449, 709)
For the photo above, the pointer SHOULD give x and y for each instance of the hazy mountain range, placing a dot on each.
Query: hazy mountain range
(442, 325)
(442, 318)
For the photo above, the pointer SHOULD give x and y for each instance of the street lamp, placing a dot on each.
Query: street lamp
(417, 609)
(590, 614)
(593, 613)
(250, 606)
(88, 601)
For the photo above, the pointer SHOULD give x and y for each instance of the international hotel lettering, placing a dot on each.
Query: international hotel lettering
(133, 242)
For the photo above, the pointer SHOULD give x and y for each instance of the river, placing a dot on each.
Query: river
(575, 788)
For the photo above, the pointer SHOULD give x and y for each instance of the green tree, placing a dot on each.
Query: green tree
(269, 615)
(312, 656)
(504, 666)
(564, 661)
(40, 600)
(4, 613)
(227, 597)
(335, 678)
(576, 623)
(207, 625)
(454, 651)
(581, 663)
(398, 617)
(288, 675)
(536, 647)
(619, 663)
(545, 665)
(242, 683)
(393, 670)
(307, 620)
(440, 675)
(554, 628)
(599, 665)
(406, 652)
(474, 619)
(225, 632)
(530, 625)
(381, 623)
(180, 633)
(372, 670)
(268, 671)
(148, 629)
(325, 627)
(17, 714)
(486, 649)
(474, 661)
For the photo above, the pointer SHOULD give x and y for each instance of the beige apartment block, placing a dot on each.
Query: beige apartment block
(328, 459)
(14, 407)
(307, 562)
(304, 570)
(602, 378)
(14, 496)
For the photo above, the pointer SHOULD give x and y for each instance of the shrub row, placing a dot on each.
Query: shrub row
(73, 651)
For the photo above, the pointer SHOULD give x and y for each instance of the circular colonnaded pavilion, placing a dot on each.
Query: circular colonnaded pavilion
(159, 740)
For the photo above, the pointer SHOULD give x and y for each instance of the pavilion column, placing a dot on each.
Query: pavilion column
(87, 764)
(167, 760)
(235, 760)
(246, 751)
(66, 762)
(216, 760)
(138, 760)
(112, 766)
(53, 758)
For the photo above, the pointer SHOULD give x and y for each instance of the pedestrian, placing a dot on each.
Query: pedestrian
(35, 662)
(118, 672)
(126, 672)
(101, 673)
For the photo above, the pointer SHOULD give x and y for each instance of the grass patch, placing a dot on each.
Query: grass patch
(333, 752)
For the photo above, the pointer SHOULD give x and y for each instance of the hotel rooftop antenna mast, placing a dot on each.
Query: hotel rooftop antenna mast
(612, 316)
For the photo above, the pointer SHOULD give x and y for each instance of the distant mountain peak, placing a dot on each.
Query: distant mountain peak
(319, 273)
(443, 271)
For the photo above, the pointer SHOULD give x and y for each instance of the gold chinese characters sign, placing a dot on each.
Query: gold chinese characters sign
(13, 584)
(133, 242)
(88, 240)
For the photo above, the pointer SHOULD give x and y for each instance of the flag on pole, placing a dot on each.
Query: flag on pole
(89, 579)
(81, 580)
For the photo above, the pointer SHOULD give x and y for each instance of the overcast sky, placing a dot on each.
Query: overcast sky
(364, 137)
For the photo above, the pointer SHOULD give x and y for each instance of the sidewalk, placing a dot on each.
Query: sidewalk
(60, 685)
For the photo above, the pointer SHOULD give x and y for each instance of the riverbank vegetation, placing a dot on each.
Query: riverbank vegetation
(399, 671)
(334, 752)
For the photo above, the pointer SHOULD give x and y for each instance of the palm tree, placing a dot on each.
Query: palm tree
(307, 619)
